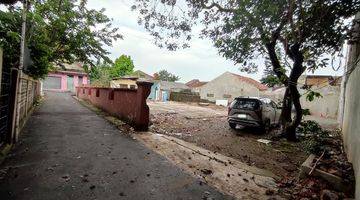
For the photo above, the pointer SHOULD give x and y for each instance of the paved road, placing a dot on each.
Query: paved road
(68, 152)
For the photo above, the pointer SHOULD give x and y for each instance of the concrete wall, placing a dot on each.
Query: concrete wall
(351, 117)
(326, 106)
(227, 83)
(127, 104)
(184, 97)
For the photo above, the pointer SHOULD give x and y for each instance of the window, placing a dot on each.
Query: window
(132, 87)
(123, 86)
(227, 96)
(210, 95)
(246, 104)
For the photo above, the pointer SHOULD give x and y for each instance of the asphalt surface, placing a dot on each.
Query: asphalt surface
(68, 152)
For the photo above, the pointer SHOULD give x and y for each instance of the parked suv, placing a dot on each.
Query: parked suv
(253, 112)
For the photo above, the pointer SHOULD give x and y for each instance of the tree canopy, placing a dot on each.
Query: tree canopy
(293, 36)
(103, 72)
(58, 31)
(164, 75)
(269, 77)
(122, 66)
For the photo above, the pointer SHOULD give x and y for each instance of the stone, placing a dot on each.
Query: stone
(328, 195)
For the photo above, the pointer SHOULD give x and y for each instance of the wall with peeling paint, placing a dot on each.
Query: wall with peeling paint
(351, 116)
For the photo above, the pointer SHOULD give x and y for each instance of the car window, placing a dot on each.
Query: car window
(246, 104)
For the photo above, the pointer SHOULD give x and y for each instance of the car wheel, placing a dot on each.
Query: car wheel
(232, 125)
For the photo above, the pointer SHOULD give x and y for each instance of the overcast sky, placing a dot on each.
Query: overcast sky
(200, 61)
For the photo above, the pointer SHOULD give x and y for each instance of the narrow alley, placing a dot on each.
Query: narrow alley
(68, 152)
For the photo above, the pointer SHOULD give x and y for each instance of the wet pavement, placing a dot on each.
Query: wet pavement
(68, 152)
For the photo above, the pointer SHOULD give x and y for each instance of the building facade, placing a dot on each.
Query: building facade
(228, 86)
(66, 78)
(161, 90)
(195, 85)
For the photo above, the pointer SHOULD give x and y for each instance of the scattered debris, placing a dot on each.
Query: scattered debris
(66, 178)
(265, 141)
(206, 171)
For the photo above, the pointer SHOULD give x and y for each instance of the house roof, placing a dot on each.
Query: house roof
(141, 74)
(251, 81)
(136, 75)
(166, 85)
(195, 83)
(75, 67)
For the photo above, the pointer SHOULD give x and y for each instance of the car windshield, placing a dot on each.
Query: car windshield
(247, 104)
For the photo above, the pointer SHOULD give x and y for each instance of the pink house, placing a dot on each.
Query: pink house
(65, 78)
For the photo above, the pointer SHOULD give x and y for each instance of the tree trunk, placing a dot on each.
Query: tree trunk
(291, 127)
(293, 94)
(285, 117)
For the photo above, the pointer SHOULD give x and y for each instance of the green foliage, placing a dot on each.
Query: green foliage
(306, 112)
(102, 73)
(58, 31)
(166, 76)
(269, 78)
(311, 95)
(122, 66)
(314, 137)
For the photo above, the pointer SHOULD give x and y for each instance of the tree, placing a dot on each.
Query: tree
(59, 31)
(166, 76)
(293, 35)
(269, 78)
(100, 75)
(122, 66)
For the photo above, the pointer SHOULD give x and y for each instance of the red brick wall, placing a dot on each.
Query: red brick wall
(126, 104)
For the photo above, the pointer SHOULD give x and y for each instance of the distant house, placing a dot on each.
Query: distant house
(66, 77)
(160, 91)
(195, 85)
(129, 81)
(228, 86)
(329, 88)
(320, 80)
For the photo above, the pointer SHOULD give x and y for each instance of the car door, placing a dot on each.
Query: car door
(267, 111)
(276, 112)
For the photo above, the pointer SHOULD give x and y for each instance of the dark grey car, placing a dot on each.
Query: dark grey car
(253, 112)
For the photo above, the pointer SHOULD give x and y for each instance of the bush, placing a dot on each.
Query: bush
(314, 137)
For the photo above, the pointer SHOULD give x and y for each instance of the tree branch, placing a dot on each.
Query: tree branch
(218, 6)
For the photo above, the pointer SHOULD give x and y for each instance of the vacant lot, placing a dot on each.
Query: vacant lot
(207, 127)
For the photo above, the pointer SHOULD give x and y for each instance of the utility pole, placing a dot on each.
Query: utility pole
(18, 71)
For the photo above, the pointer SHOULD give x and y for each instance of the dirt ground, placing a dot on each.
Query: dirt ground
(206, 126)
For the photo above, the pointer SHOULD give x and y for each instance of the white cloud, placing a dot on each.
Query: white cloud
(201, 61)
